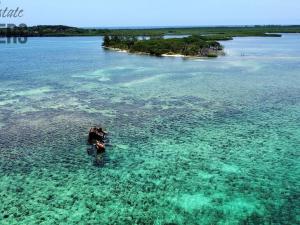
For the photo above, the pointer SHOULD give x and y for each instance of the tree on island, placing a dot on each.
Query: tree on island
(189, 46)
(106, 40)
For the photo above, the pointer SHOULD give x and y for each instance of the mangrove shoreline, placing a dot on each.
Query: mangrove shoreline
(192, 46)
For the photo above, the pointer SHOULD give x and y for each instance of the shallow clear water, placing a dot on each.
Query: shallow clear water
(193, 141)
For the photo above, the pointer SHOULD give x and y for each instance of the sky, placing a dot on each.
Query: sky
(145, 13)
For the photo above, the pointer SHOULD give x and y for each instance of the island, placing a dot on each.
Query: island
(193, 46)
(220, 31)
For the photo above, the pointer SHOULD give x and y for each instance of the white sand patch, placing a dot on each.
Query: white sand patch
(141, 81)
(192, 202)
(173, 55)
(34, 91)
(100, 75)
(7, 102)
(116, 49)
(230, 168)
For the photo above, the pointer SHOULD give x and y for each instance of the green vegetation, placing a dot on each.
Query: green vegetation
(48, 31)
(217, 32)
(194, 45)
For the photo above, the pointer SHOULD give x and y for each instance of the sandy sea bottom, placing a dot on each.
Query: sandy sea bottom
(191, 141)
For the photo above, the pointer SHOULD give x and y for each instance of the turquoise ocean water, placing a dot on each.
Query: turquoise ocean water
(193, 141)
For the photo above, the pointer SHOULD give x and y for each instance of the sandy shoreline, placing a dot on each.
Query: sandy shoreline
(163, 55)
(115, 49)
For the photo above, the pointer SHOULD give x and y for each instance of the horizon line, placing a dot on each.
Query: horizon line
(164, 27)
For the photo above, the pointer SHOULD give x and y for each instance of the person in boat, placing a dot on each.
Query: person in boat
(100, 146)
(102, 132)
(96, 134)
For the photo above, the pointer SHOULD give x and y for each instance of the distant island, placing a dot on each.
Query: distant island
(195, 45)
(221, 31)
(202, 41)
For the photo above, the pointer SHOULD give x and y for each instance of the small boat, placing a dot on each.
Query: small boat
(96, 134)
(97, 137)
